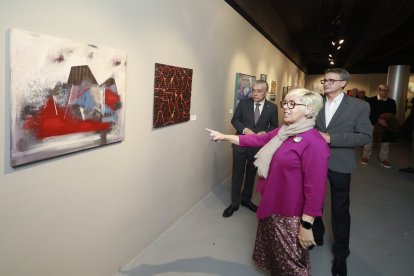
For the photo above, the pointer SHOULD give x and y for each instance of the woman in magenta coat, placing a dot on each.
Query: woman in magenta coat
(292, 167)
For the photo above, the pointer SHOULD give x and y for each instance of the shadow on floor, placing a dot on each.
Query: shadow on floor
(195, 265)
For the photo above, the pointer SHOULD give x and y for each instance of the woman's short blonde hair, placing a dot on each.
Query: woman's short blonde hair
(311, 99)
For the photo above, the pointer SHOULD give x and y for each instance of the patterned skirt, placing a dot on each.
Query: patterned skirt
(277, 248)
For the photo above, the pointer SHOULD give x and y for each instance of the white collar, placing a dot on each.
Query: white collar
(336, 99)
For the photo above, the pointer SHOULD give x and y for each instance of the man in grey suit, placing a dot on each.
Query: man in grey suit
(344, 124)
(252, 115)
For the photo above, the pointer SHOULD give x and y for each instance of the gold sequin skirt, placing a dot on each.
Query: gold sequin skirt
(277, 248)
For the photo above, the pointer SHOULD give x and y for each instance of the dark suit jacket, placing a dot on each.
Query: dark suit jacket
(243, 117)
(350, 127)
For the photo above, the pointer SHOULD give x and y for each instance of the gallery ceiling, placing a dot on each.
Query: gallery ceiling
(376, 33)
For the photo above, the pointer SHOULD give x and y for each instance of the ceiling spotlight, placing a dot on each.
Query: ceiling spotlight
(339, 47)
(330, 55)
(333, 43)
(332, 62)
(341, 41)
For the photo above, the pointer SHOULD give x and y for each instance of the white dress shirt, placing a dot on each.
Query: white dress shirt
(261, 105)
(331, 107)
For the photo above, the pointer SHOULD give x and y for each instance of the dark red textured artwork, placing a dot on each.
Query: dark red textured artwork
(172, 95)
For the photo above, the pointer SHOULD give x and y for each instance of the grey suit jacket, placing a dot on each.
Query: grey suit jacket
(350, 127)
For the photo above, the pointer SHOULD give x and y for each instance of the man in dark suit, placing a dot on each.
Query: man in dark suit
(252, 115)
(344, 124)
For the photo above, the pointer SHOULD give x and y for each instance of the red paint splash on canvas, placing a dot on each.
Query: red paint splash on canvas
(54, 121)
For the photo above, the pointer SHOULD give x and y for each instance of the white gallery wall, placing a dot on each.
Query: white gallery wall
(91, 212)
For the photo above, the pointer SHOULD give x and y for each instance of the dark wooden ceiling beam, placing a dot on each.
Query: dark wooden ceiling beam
(261, 15)
(385, 18)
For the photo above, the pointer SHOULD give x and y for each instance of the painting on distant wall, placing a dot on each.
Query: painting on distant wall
(172, 95)
(263, 77)
(65, 96)
(284, 91)
(273, 87)
(244, 85)
(272, 92)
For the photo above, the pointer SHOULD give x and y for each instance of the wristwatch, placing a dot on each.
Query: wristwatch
(306, 224)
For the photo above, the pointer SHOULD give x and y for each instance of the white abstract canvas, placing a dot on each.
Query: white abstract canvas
(65, 96)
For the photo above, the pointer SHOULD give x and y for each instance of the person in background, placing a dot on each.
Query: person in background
(344, 124)
(292, 168)
(382, 116)
(411, 169)
(254, 115)
(361, 95)
(354, 92)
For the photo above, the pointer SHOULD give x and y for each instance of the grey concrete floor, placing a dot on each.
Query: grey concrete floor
(382, 231)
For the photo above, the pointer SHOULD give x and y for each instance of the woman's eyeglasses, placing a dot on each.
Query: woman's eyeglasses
(290, 104)
(329, 81)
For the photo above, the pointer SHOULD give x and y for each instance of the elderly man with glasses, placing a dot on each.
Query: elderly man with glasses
(344, 123)
(382, 116)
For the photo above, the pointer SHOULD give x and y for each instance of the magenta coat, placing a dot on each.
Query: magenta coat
(296, 183)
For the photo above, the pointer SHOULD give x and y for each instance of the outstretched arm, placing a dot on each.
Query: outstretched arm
(217, 136)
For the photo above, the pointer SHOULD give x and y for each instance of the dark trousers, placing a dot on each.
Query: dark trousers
(243, 168)
(340, 217)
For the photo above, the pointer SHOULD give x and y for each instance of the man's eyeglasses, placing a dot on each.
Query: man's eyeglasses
(290, 104)
(329, 81)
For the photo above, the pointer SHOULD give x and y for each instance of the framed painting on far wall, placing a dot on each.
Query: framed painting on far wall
(244, 85)
(263, 77)
(273, 87)
(272, 91)
(284, 91)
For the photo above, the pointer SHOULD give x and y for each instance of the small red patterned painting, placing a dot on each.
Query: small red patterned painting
(172, 95)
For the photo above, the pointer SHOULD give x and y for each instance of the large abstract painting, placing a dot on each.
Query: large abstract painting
(244, 86)
(65, 96)
(172, 95)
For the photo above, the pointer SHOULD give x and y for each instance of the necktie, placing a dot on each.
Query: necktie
(256, 113)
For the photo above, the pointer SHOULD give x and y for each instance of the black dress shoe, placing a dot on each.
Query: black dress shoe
(229, 211)
(339, 268)
(407, 170)
(249, 205)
